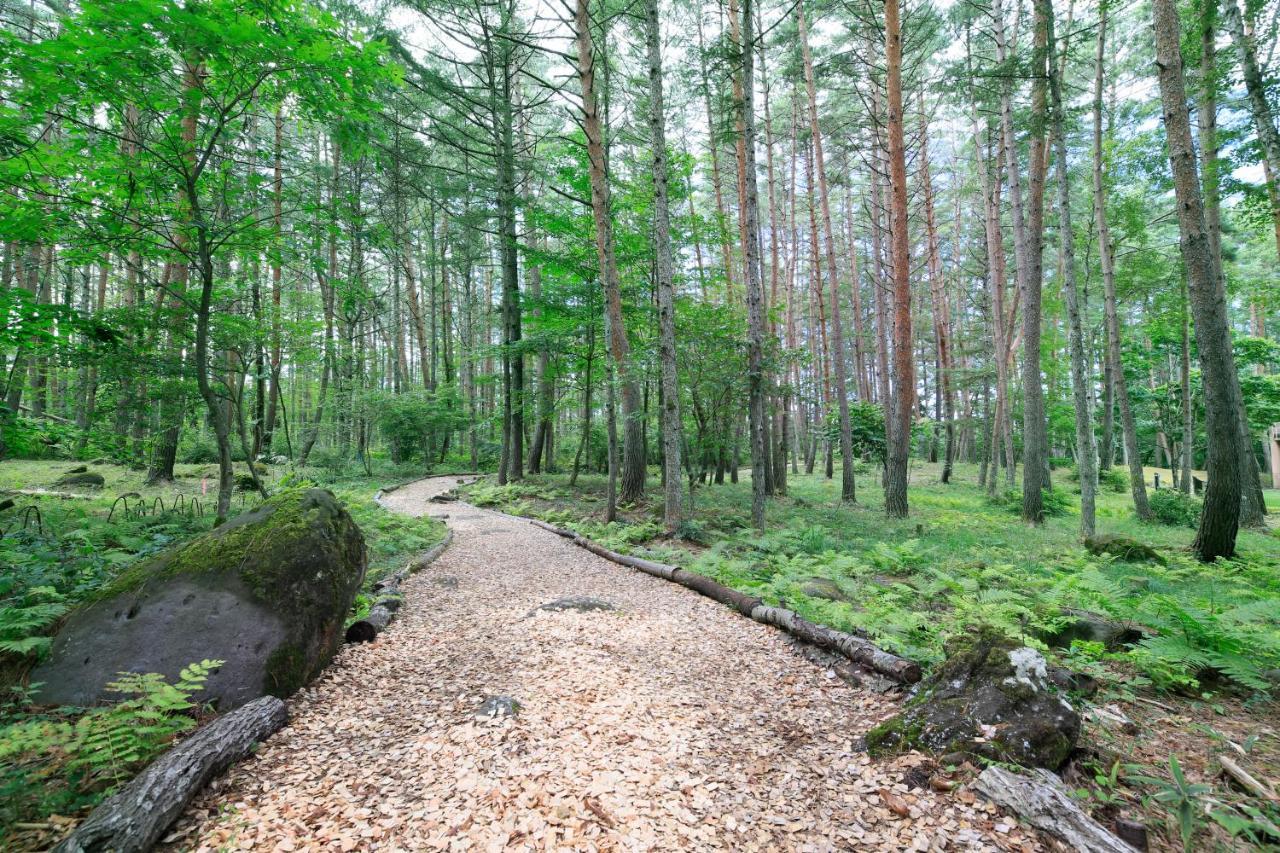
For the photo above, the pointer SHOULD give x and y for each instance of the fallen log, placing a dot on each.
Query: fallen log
(388, 600)
(856, 649)
(1247, 780)
(1042, 800)
(46, 493)
(416, 565)
(134, 818)
(853, 647)
(366, 630)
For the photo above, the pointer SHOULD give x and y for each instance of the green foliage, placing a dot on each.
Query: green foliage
(416, 423)
(1182, 798)
(62, 760)
(24, 619)
(1114, 480)
(1173, 507)
(1056, 502)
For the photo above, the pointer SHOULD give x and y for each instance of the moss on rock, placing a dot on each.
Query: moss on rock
(284, 574)
(990, 698)
(1122, 548)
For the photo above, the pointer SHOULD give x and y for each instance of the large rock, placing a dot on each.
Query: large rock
(1122, 548)
(87, 479)
(1094, 628)
(990, 698)
(825, 588)
(267, 592)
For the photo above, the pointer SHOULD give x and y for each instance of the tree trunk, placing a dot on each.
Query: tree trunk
(754, 285)
(847, 462)
(633, 450)
(1219, 521)
(941, 310)
(135, 817)
(1086, 448)
(1128, 425)
(895, 494)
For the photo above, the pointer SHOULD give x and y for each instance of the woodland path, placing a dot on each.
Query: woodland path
(669, 724)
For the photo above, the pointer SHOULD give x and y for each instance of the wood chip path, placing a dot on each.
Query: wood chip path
(671, 723)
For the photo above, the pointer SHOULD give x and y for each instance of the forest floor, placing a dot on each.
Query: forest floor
(963, 559)
(669, 723)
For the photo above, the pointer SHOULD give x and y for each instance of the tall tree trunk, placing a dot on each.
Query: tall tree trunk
(277, 265)
(1219, 521)
(1128, 425)
(895, 494)
(666, 283)
(752, 273)
(941, 310)
(1253, 510)
(633, 450)
(847, 462)
(1086, 448)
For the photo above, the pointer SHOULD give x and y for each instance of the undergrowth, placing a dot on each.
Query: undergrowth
(62, 760)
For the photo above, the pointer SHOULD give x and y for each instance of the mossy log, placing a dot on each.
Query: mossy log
(134, 818)
(856, 649)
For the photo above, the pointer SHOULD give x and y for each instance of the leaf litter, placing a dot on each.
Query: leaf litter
(670, 723)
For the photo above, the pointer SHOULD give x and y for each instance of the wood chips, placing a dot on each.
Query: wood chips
(670, 724)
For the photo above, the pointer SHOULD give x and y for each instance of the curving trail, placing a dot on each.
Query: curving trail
(671, 723)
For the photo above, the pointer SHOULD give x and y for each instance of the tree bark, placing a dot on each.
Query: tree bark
(1128, 425)
(941, 310)
(847, 486)
(895, 496)
(1219, 521)
(633, 450)
(666, 283)
(135, 818)
(1086, 447)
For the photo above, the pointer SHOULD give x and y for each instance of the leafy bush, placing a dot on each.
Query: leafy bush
(692, 530)
(416, 422)
(196, 448)
(1114, 480)
(1175, 508)
(24, 438)
(59, 762)
(1055, 501)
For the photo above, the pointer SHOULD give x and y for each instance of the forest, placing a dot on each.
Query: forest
(923, 331)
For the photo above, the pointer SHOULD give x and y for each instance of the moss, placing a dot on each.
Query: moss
(287, 670)
(253, 543)
(895, 736)
(1123, 548)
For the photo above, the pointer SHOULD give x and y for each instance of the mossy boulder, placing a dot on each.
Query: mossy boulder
(824, 588)
(267, 592)
(1122, 548)
(991, 698)
(1093, 628)
(84, 479)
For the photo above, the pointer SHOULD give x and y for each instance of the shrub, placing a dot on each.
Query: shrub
(1056, 502)
(692, 530)
(198, 449)
(1175, 508)
(1114, 480)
